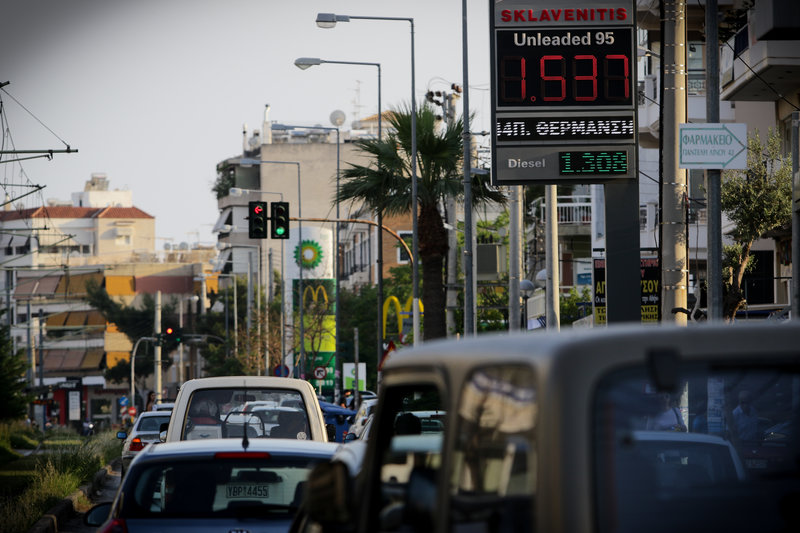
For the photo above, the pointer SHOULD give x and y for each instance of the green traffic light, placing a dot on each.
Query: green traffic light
(280, 231)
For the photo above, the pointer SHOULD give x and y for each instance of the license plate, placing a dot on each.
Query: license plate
(756, 463)
(247, 490)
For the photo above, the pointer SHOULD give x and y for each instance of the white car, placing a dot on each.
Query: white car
(221, 407)
(145, 430)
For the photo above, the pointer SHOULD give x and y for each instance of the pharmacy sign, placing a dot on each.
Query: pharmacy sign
(722, 146)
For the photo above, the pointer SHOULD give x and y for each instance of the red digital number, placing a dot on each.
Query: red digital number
(514, 78)
(583, 78)
(610, 77)
(550, 79)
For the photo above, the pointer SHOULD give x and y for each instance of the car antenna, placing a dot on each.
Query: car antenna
(245, 441)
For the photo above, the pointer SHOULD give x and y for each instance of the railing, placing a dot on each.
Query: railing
(572, 210)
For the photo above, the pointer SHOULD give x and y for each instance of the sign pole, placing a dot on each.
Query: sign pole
(713, 176)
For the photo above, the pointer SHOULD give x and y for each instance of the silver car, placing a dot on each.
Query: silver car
(145, 430)
(212, 485)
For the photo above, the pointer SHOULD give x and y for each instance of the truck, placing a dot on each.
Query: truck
(557, 432)
(222, 407)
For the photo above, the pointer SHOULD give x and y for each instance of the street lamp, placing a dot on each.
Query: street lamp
(193, 298)
(303, 63)
(133, 365)
(247, 161)
(329, 20)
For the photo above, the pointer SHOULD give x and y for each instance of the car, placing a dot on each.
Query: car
(548, 431)
(364, 411)
(338, 417)
(145, 430)
(212, 485)
(163, 406)
(222, 406)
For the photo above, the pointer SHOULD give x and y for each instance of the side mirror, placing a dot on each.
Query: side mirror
(98, 514)
(328, 495)
(331, 430)
(122, 435)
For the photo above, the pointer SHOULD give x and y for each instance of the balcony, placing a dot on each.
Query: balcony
(758, 70)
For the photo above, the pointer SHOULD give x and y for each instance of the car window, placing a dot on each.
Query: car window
(494, 463)
(698, 452)
(229, 412)
(410, 460)
(152, 423)
(263, 487)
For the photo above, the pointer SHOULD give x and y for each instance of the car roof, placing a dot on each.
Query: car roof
(161, 412)
(246, 381)
(209, 447)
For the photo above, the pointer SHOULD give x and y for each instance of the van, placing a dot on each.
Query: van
(222, 407)
(565, 432)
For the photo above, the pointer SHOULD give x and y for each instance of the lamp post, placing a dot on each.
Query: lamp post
(329, 20)
(133, 366)
(303, 63)
(246, 161)
(193, 298)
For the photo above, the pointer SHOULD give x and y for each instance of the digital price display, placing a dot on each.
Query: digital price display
(539, 68)
(607, 162)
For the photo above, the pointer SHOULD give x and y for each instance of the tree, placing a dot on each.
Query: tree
(13, 400)
(385, 185)
(757, 200)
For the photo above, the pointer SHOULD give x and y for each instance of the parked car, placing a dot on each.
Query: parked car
(163, 406)
(145, 430)
(212, 485)
(215, 407)
(547, 432)
(363, 413)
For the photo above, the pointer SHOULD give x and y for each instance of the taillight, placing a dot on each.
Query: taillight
(136, 444)
(115, 526)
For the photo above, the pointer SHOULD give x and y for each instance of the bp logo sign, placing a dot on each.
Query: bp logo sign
(308, 254)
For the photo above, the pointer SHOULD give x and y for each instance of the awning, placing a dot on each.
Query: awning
(114, 358)
(52, 239)
(56, 360)
(123, 231)
(225, 218)
(36, 286)
(76, 318)
(120, 286)
(95, 318)
(93, 359)
(56, 319)
(221, 262)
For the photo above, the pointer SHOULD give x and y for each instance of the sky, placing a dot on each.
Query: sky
(154, 93)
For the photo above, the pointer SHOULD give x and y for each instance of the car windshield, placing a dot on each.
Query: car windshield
(152, 423)
(229, 412)
(265, 487)
(710, 445)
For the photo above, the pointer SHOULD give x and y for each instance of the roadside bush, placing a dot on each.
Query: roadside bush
(67, 462)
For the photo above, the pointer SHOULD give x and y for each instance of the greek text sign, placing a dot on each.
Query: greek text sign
(722, 146)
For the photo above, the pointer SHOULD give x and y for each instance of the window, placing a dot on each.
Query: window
(494, 463)
(402, 255)
(228, 413)
(718, 451)
(225, 487)
(410, 448)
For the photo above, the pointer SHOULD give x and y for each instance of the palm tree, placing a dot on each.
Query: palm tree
(384, 185)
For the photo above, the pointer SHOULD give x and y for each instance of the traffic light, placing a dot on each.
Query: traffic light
(172, 335)
(257, 220)
(280, 220)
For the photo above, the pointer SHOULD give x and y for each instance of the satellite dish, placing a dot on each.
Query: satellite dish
(167, 246)
(337, 117)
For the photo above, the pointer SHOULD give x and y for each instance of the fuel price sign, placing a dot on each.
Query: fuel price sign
(563, 85)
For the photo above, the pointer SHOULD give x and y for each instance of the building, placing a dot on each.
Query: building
(50, 254)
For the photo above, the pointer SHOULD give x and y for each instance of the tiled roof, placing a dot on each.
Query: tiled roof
(66, 211)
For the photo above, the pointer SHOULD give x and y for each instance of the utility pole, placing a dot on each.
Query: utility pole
(795, 216)
(552, 288)
(157, 335)
(673, 190)
(514, 256)
(713, 175)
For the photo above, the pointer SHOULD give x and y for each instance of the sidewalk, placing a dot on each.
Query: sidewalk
(64, 518)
